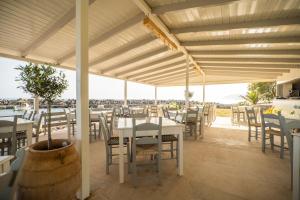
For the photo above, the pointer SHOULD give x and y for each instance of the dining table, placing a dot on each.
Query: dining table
(124, 129)
(22, 125)
(5, 163)
(294, 124)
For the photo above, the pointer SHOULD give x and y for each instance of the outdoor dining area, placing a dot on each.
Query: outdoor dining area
(153, 150)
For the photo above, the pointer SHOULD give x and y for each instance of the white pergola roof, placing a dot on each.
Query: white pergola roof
(230, 41)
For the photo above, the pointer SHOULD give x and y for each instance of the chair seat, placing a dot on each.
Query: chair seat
(255, 124)
(168, 138)
(21, 135)
(146, 149)
(115, 141)
(273, 132)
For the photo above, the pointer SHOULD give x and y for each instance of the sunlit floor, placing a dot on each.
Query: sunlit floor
(222, 165)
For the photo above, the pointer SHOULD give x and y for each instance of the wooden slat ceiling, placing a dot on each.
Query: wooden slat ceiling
(230, 40)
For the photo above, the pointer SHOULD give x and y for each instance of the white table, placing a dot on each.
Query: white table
(135, 110)
(169, 127)
(295, 124)
(5, 163)
(22, 125)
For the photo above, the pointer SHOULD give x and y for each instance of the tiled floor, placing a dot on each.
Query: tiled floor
(223, 165)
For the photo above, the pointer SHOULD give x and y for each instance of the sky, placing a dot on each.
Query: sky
(108, 88)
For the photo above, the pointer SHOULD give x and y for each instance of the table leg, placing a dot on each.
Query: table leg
(69, 128)
(180, 166)
(121, 157)
(29, 134)
(296, 168)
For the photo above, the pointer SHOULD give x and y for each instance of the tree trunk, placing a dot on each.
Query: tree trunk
(49, 126)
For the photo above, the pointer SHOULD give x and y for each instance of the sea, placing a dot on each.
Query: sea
(12, 112)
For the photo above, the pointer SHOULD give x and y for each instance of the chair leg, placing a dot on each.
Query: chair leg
(107, 162)
(128, 158)
(172, 149)
(256, 132)
(249, 133)
(272, 142)
(282, 147)
(177, 153)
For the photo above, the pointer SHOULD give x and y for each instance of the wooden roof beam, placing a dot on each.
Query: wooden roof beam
(251, 60)
(295, 52)
(54, 28)
(188, 5)
(156, 70)
(250, 65)
(242, 41)
(210, 69)
(142, 5)
(104, 36)
(143, 56)
(123, 49)
(142, 67)
(178, 70)
(239, 25)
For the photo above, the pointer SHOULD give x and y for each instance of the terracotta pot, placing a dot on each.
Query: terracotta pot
(50, 174)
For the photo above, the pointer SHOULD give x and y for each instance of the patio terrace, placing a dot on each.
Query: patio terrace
(222, 165)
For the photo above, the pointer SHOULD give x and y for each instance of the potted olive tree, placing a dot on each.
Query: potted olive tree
(52, 167)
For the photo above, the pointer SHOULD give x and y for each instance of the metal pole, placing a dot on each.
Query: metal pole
(203, 89)
(155, 95)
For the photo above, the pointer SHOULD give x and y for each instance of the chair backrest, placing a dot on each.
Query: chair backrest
(147, 126)
(234, 109)
(28, 115)
(191, 116)
(8, 132)
(206, 109)
(24, 114)
(153, 109)
(37, 120)
(251, 116)
(139, 115)
(166, 113)
(105, 131)
(273, 121)
(55, 119)
(125, 110)
(10, 179)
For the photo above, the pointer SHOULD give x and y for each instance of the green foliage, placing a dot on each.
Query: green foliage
(261, 91)
(252, 97)
(42, 81)
(265, 90)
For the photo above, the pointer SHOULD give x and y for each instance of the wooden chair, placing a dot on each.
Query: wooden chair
(153, 111)
(273, 125)
(236, 115)
(125, 111)
(28, 115)
(37, 122)
(191, 119)
(252, 122)
(9, 180)
(166, 113)
(146, 146)
(8, 141)
(206, 113)
(110, 143)
(92, 127)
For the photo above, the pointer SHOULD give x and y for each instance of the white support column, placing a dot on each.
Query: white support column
(125, 92)
(203, 89)
(82, 96)
(36, 104)
(187, 82)
(155, 94)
